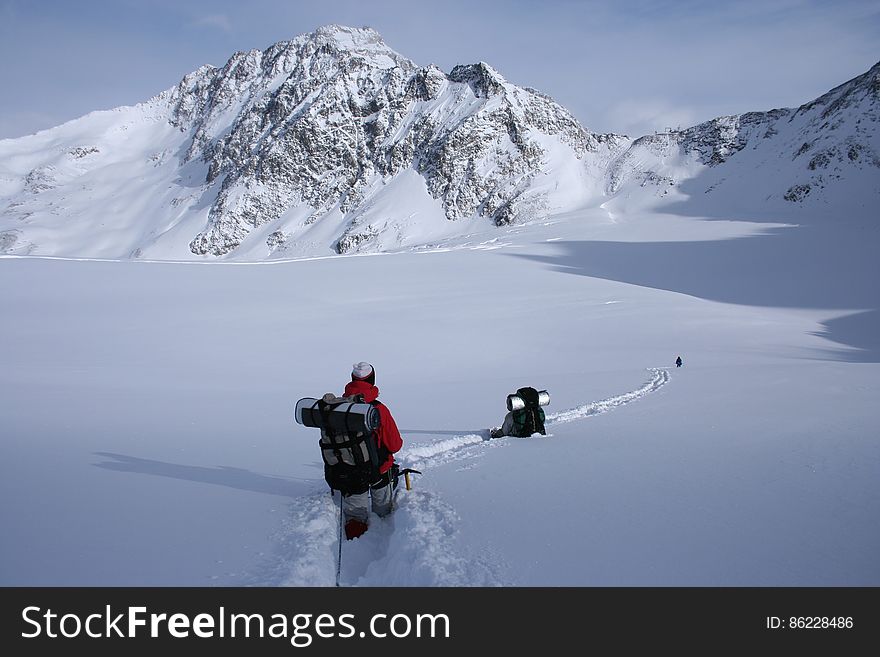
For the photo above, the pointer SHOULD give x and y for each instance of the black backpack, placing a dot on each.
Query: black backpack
(348, 444)
(529, 420)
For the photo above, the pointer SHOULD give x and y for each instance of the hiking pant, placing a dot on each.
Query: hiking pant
(507, 428)
(357, 505)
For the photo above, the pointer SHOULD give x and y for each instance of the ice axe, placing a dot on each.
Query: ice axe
(406, 473)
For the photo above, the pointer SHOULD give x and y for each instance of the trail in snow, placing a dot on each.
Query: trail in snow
(473, 445)
(417, 545)
(660, 378)
(414, 546)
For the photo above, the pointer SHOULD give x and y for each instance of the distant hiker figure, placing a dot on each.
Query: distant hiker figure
(525, 416)
(678, 362)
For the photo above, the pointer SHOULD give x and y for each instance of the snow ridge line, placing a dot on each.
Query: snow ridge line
(466, 445)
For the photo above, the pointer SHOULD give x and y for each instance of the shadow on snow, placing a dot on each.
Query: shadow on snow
(227, 476)
(806, 266)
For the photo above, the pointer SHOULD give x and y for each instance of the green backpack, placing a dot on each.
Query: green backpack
(530, 419)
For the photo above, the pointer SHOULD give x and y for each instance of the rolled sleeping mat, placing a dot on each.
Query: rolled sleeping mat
(338, 415)
(517, 403)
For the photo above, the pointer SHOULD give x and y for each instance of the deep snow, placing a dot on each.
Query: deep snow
(146, 410)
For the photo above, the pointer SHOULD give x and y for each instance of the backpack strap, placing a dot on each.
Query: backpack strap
(378, 453)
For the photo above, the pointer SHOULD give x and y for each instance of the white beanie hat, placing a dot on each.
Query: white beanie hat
(361, 370)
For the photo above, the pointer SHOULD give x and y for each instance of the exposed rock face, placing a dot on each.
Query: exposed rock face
(316, 120)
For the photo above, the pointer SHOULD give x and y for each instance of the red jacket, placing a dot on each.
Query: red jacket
(387, 435)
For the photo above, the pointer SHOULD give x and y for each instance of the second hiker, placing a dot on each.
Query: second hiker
(526, 417)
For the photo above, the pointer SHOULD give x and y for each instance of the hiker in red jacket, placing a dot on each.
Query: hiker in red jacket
(356, 505)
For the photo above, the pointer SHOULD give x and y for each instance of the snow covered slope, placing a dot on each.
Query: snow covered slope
(330, 143)
(146, 412)
(333, 143)
(822, 157)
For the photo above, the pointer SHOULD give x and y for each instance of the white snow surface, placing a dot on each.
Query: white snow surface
(146, 409)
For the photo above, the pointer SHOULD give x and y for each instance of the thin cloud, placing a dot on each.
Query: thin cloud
(637, 117)
(216, 21)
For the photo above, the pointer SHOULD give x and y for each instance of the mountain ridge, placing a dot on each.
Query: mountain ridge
(334, 143)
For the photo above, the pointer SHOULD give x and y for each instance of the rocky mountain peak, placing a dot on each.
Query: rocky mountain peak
(864, 88)
(482, 78)
(347, 40)
(342, 112)
(332, 141)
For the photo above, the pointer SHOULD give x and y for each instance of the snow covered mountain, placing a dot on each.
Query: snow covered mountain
(334, 143)
(825, 153)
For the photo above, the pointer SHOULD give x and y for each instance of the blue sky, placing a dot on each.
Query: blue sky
(627, 67)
